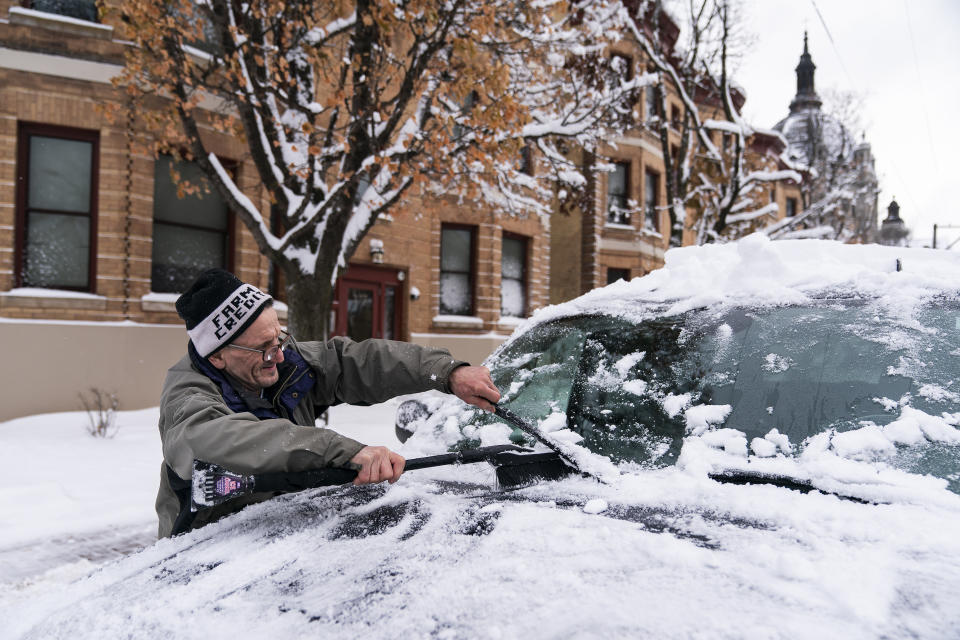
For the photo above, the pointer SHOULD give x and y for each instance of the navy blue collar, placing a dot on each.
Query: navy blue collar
(296, 381)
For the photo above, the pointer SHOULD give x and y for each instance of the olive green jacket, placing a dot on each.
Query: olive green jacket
(196, 423)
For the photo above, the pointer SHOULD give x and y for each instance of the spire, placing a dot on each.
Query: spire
(893, 211)
(806, 97)
(893, 230)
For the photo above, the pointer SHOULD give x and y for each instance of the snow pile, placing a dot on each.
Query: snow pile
(758, 271)
(554, 429)
(771, 444)
(674, 404)
(915, 427)
(855, 463)
(774, 363)
(702, 416)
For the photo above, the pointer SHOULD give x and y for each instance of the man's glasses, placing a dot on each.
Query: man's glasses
(270, 354)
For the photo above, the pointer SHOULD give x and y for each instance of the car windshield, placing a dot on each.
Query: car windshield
(633, 390)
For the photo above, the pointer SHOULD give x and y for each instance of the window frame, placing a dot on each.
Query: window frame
(29, 4)
(650, 214)
(619, 272)
(525, 276)
(651, 106)
(627, 60)
(25, 131)
(626, 194)
(230, 231)
(471, 274)
(786, 206)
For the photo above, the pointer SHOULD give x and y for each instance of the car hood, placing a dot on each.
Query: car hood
(446, 553)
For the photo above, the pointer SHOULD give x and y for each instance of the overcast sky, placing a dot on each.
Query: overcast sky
(902, 56)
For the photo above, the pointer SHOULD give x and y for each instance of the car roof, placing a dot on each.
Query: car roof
(756, 271)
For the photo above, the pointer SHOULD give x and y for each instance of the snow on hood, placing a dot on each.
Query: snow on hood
(758, 271)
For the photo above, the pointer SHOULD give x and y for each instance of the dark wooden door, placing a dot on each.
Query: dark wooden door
(368, 303)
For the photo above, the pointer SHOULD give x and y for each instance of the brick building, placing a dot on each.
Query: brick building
(95, 244)
(625, 230)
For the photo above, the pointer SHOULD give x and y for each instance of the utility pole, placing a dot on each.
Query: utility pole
(943, 226)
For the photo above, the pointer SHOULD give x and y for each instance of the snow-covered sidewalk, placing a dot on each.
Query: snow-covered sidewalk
(68, 498)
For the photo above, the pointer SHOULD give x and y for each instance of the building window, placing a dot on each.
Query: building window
(651, 198)
(79, 9)
(525, 165)
(190, 234)
(460, 130)
(56, 207)
(621, 66)
(618, 188)
(675, 117)
(650, 101)
(457, 246)
(791, 207)
(617, 274)
(513, 276)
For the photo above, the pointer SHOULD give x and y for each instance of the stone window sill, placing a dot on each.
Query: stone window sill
(36, 298)
(458, 322)
(56, 22)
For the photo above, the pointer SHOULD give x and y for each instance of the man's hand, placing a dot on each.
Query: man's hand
(378, 464)
(474, 386)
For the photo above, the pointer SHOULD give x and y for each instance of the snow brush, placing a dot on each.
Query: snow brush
(212, 484)
(557, 463)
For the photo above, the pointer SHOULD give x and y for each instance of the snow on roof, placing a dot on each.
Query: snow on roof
(758, 272)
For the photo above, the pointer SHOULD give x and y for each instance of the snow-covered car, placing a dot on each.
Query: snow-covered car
(836, 350)
(826, 364)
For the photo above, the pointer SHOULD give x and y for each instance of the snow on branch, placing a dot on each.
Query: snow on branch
(749, 216)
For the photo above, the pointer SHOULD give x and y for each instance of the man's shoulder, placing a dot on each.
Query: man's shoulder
(185, 374)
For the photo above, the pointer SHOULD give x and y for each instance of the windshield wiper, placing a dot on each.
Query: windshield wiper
(733, 476)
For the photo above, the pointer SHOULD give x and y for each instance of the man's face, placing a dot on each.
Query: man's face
(248, 366)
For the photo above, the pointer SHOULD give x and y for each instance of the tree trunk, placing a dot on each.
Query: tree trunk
(309, 301)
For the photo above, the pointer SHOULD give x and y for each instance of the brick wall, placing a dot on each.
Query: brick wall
(125, 186)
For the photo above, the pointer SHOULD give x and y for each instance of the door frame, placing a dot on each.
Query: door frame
(378, 278)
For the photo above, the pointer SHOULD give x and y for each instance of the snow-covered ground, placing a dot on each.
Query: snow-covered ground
(68, 498)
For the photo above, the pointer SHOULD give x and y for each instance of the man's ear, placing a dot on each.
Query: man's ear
(216, 359)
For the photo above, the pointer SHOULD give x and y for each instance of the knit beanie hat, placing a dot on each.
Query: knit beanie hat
(217, 308)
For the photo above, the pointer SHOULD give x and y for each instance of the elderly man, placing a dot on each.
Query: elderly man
(246, 395)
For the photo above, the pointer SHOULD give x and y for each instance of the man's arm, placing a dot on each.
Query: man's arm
(374, 371)
(471, 384)
(196, 423)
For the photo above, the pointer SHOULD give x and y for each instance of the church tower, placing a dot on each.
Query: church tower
(840, 185)
(806, 98)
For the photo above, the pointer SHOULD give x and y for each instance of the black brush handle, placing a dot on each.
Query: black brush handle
(467, 456)
(300, 480)
(330, 476)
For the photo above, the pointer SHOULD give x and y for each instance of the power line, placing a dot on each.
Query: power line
(923, 93)
(835, 48)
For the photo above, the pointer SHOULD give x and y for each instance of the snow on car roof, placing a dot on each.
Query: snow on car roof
(758, 271)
